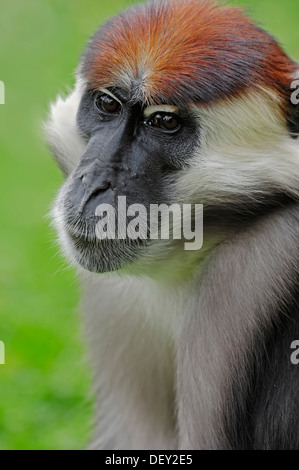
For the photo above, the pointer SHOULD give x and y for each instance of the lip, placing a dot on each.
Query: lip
(83, 239)
(81, 231)
(107, 255)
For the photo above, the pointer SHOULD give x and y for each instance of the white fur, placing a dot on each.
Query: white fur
(130, 325)
(244, 147)
(62, 132)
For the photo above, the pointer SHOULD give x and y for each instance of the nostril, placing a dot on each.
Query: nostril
(101, 188)
(91, 194)
(90, 181)
(84, 179)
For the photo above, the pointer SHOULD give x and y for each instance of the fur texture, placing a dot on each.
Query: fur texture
(185, 49)
(191, 350)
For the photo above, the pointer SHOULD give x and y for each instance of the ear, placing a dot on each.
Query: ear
(293, 113)
(61, 131)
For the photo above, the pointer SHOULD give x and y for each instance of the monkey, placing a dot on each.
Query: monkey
(185, 102)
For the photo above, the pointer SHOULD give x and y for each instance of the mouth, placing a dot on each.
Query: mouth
(102, 255)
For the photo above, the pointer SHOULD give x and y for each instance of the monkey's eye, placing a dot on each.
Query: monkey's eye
(107, 104)
(165, 121)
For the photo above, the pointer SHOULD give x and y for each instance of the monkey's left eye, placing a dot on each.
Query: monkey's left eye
(107, 104)
(165, 121)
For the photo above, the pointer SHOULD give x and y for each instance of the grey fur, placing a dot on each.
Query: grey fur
(246, 280)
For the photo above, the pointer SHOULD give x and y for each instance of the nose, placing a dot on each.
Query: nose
(95, 181)
(91, 185)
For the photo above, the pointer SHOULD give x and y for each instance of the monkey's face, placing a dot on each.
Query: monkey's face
(176, 102)
(132, 156)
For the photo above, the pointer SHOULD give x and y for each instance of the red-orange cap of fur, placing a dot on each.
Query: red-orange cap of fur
(176, 51)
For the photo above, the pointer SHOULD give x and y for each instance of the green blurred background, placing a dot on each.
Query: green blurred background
(45, 400)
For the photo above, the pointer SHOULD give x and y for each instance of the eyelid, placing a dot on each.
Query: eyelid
(107, 92)
(164, 108)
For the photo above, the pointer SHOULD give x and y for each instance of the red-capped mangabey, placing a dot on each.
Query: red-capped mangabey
(185, 102)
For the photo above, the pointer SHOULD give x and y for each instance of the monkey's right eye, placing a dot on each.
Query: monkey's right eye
(107, 104)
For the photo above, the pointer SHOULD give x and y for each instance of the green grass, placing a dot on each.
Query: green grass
(45, 383)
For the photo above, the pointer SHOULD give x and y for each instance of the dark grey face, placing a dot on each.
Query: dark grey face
(129, 153)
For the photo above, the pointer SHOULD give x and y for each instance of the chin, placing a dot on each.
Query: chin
(103, 256)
